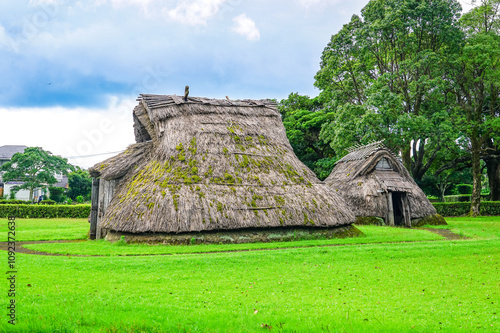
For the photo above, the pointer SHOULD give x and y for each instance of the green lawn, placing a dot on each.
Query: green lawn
(373, 234)
(484, 227)
(424, 286)
(46, 229)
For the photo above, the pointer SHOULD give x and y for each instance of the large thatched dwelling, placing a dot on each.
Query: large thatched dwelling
(376, 184)
(204, 165)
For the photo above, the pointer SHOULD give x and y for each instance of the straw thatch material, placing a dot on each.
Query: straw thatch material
(206, 164)
(365, 188)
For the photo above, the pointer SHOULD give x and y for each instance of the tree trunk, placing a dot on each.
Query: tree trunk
(407, 158)
(442, 188)
(475, 198)
(493, 168)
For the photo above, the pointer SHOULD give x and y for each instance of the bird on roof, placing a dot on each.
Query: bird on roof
(227, 98)
(186, 93)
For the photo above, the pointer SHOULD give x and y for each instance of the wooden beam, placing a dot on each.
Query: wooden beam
(390, 209)
(94, 207)
(406, 210)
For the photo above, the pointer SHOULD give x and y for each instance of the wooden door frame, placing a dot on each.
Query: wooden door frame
(405, 208)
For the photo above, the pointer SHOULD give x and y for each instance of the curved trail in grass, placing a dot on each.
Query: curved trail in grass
(447, 234)
(21, 249)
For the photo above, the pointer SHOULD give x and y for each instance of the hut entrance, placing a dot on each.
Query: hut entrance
(398, 210)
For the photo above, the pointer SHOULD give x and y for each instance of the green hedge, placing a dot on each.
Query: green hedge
(463, 198)
(14, 202)
(45, 211)
(463, 188)
(463, 208)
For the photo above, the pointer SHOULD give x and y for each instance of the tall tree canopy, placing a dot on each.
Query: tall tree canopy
(419, 76)
(384, 74)
(477, 90)
(34, 167)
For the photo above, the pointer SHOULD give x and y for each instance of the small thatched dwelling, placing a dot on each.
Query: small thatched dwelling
(376, 184)
(202, 165)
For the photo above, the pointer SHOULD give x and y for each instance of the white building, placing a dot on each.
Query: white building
(6, 153)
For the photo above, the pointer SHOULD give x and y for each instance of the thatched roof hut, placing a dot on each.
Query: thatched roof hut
(376, 184)
(206, 164)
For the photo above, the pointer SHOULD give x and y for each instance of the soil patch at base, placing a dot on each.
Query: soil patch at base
(4, 246)
(446, 234)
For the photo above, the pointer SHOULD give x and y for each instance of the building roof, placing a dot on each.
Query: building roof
(208, 164)
(62, 183)
(6, 152)
(357, 152)
(159, 101)
(358, 180)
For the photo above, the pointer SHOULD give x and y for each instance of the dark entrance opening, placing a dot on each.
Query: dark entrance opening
(397, 206)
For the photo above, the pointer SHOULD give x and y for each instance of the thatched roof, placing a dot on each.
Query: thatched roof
(362, 185)
(207, 164)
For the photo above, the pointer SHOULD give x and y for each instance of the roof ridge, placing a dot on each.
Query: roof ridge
(159, 101)
(359, 152)
(356, 147)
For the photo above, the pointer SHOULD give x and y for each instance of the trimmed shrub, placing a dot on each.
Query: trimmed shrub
(45, 211)
(490, 207)
(14, 202)
(457, 198)
(463, 198)
(47, 202)
(463, 189)
(463, 208)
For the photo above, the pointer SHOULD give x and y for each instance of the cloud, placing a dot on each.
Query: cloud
(129, 2)
(195, 12)
(4, 37)
(74, 133)
(35, 3)
(143, 4)
(309, 3)
(245, 26)
(316, 3)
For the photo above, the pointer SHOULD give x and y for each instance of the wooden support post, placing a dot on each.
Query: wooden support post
(406, 210)
(94, 207)
(390, 209)
(106, 192)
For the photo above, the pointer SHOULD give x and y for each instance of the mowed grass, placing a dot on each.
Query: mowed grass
(423, 286)
(405, 287)
(46, 229)
(483, 227)
(373, 234)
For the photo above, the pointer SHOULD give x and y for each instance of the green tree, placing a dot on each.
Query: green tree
(79, 184)
(477, 83)
(57, 194)
(384, 74)
(34, 167)
(303, 118)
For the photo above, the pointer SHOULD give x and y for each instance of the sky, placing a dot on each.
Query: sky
(72, 70)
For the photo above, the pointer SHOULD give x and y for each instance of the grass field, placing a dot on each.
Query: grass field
(46, 229)
(427, 285)
(373, 234)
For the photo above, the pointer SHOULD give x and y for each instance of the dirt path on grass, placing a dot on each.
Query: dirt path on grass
(447, 234)
(4, 246)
